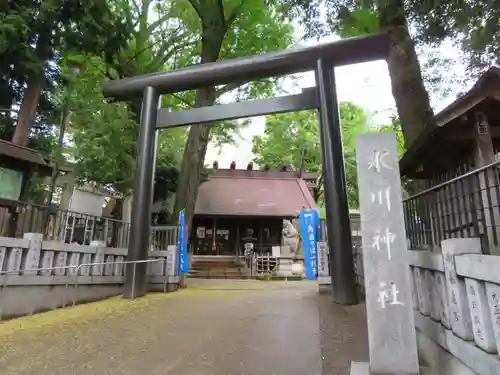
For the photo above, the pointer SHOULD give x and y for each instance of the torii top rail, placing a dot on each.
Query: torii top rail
(247, 69)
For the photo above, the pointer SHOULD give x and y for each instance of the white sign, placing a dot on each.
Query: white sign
(323, 268)
(171, 260)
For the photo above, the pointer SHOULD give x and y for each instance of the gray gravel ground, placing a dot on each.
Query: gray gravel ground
(251, 328)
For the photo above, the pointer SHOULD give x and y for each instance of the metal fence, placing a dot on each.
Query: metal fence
(357, 250)
(465, 206)
(17, 218)
(162, 236)
(269, 266)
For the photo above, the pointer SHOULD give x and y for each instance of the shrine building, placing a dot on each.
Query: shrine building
(236, 207)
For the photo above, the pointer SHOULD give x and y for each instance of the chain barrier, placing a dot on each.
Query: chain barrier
(77, 268)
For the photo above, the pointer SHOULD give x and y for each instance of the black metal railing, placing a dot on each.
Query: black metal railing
(265, 249)
(465, 206)
(163, 236)
(17, 218)
(258, 265)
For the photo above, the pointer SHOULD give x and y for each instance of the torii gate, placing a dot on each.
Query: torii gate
(320, 58)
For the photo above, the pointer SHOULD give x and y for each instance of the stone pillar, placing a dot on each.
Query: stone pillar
(32, 260)
(389, 304)
(127, 209)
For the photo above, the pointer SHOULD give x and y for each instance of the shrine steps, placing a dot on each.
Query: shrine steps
(215, 267)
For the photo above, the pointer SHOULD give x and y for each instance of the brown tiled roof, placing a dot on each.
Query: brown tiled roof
(21, 153)
(253, 193)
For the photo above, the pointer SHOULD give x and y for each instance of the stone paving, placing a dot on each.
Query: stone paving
(250, 328)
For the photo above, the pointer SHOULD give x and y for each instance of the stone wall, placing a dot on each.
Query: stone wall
(456, 298)
(38, 275)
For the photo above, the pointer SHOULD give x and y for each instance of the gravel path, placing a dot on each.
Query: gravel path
(251, 328)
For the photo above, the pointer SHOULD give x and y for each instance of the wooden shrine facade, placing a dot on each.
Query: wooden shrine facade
(238, 207)
(453, 171)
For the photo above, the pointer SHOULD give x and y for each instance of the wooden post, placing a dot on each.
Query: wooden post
(391, 327)
(488, 179)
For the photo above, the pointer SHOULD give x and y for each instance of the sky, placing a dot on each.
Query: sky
(367, 85)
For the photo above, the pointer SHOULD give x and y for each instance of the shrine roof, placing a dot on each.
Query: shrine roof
(23, 156)
(448, 122)
(253, 193)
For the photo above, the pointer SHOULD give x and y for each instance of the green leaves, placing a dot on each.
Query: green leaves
(103, 134)
(473, 26)
(357, 21)
(167, 35)
(287, 136)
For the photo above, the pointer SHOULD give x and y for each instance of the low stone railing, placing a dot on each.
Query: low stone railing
(39, 275)
(456, 296)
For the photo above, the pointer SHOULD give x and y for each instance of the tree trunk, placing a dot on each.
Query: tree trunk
(408, 90)
(27, 111)
(193, 159)
(410, 95)
(32, 92)
(213, 33)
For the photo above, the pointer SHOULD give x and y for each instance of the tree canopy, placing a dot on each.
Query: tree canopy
(226, 29)
(121, 38)
(290, 138)
(41, 43)
(33, 35)
(411, 25)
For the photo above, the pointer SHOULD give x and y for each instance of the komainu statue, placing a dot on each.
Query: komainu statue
(290, 239)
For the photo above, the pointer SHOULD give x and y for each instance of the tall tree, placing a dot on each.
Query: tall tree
(288, 136)
(348, 18)
(104, 134)
(44, 28)
(472, 25)
(227, 29)
(412, 100)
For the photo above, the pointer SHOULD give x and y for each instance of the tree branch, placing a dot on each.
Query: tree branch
(234, 14)
(158, 22)
(220, 5)
(138, 53)
(137, 10)
(230, 87)
(197, 8)
(319, 186)
(167, 51)
(181, 99)
(320, 181)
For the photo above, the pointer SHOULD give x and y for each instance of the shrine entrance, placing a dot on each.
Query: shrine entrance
(322, 59)
(231, 235)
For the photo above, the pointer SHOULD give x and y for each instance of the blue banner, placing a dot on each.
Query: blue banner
(182, 245)
(309, 225)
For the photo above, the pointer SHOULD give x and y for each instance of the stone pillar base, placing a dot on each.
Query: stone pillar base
(360, 368)
(182, 282)
(324, 288)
